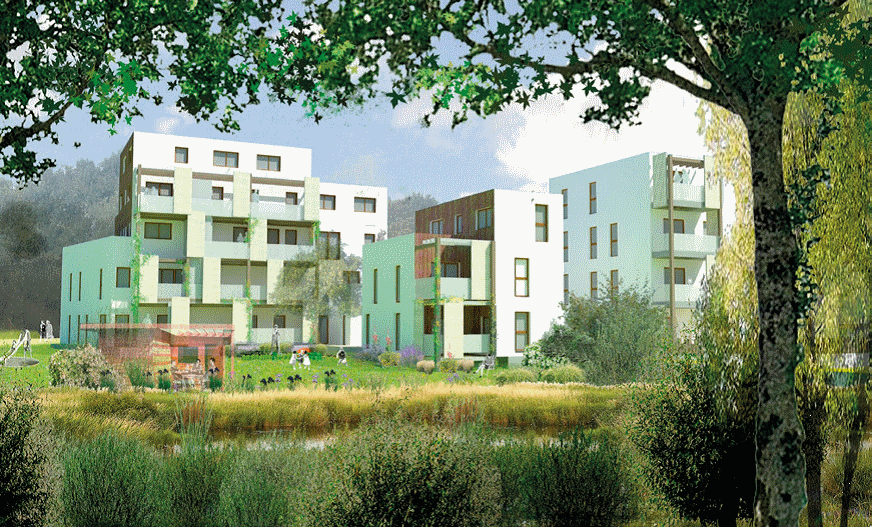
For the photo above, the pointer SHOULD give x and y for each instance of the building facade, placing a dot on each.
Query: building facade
(197, 220)
(498, 281)
(652, 219)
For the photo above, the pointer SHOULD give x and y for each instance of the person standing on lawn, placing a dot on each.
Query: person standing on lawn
(275, 341)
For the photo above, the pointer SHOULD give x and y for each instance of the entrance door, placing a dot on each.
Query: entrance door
(323, 329)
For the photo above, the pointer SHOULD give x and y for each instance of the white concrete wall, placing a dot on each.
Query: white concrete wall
(514, 237)
(350, 224)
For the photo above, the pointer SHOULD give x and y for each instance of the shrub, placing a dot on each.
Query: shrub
(396, 473)
(23, 500)
(410, 355)
(320, 348)
(465, 365)
(136, 374)
(426, 366)
(563, 374)
(264, 349)
(369, 353)
(215, 383)
(579, 481)
(534, 358)
(79, 367)
(513, 375)
(448, 365)
(110, 480)
(389, 358)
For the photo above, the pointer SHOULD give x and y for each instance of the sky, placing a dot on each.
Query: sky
(517, 149)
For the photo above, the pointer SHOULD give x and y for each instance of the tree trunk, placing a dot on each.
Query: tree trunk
(780, 486)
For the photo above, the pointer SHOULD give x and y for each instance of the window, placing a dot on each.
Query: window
(273, 163)
(101, 285)
(458, 224)
(593, 243)
(159, 189)
(328, 202)
(680, 275)
(484, 219)
(254, 322)
(218, 193)
(368, 238)
(565, 246)
(375, 286)
(181, 154)
(239, 234)
(678, 226)
(436, 227)
(450, 269)
(565, 193)
(705, 227)
(291, 237)
(103, 318)
(170, 276)
(225, 159)
(397, 331)
(613, 281)
(71, 287)
(158, 231)
(122, 277)
(279, 320)
(398, 284)
(332, 247)
(593, 198)
(522, 277)
(614, 239)
(80, 286)
(291, 198)
(351, 277)
(364, 204)
(593, 285)
(430, 321)
(255, 195)
(366, 331)
(161, 319)
(566, 288)
(522, 330)
(541, 223)
(273, 236)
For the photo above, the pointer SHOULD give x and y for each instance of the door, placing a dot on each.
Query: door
(323, 329)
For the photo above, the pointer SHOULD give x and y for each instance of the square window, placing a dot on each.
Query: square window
(181, 154)
(272, 163)
(364, 204)
(239, 234)
(122, 277)
(218, 193)
(680, 276)
(273, 236)
(368, 238)
(225, 159)
(678, 226)
(158, 231)
(291, 198)
(328, 202)
(291, 237)
(163, 319)
(170, 276)
(279, 320)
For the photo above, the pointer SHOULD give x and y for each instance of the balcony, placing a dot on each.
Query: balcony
(167, 291)
(686, 295)
(688, 196)
(155, 203)
(450, 288)
(227, 250)
(270, 210)
(686, 245)
(472, 345)
(286, 252)
(213, 207)
(231, 291)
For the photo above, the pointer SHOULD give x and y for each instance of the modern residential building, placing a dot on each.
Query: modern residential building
(197, 220)
(644, 219)
(499, 256)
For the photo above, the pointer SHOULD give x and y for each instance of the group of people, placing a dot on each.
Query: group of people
(45, 330)
(301, 356)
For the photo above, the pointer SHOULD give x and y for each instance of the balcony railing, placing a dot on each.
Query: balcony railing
(227, 250)
(270, 210)
(213, 207)
(286, 252)
(155, 203)
(684, 195)
(686, 295)
(450, 287)
(286, 335)
(686, 245)
(231, 291)
(167, 291)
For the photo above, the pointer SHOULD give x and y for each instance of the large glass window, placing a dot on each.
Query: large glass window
(680, 275)
(218, 193)
(541, 223)
(458, 224)
(171, 276)
(158, 231)
(291, 237)
(364, 204)
(273, 163)
(678, 226)
(436, 227)
(368, 238)
(225, 159)
(331, 245)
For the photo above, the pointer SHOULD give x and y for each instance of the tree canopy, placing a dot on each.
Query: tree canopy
(743, 55)
(99, 54)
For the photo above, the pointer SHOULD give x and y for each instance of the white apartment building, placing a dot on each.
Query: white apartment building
(209, 217)
(641, 220)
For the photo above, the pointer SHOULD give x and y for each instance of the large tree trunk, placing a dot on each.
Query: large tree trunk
(780, 488)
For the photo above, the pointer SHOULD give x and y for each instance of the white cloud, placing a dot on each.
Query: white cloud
(166, 125)
(553, 141)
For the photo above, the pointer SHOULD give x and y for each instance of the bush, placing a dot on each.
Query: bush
(78, 367)
(215, 383)
(465, 365)
(410, 355)
(426, 366)
(513, 375)
(23, 499)
(563, 374)
(579, 481)
(389, 358)
(137, 376)
(369, 353)
(320, 348)
(448, 365)
(110, 480)
(534, 358)
(264, 349)
(395, 473)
